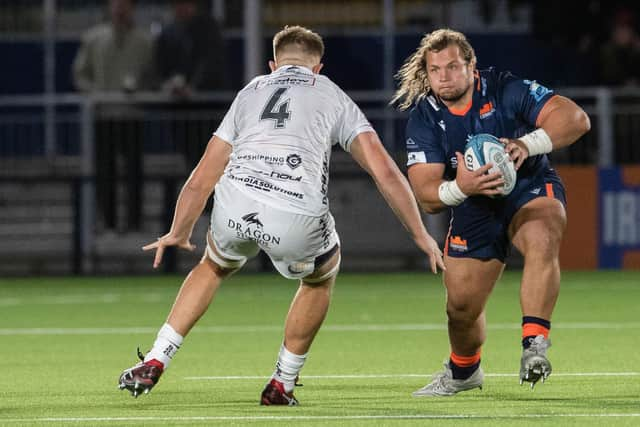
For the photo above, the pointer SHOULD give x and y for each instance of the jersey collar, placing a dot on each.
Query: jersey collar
(300, 68)
(476, 90)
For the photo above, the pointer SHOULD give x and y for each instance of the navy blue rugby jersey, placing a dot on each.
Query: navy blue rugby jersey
(503, 105)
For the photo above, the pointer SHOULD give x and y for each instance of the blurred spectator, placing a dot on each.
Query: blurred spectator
(189, 51)
(190, 56)
(572, 33)
(620, 55)
(116, 56)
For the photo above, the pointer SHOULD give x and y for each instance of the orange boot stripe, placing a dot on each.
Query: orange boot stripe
(533, 330)
(464, 361)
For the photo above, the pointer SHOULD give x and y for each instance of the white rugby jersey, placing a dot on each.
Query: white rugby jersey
(282, 126)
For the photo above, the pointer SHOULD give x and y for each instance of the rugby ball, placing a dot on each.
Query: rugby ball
(484, 148)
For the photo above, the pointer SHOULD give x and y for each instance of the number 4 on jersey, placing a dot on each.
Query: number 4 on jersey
(274, 111)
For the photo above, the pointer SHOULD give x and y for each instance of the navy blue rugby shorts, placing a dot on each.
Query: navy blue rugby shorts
(479, 226)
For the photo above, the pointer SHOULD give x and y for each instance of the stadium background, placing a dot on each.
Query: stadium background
(48, 222)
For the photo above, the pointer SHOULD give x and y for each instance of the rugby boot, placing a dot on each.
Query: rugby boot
(274, 394)
(142, 377)
(443, 383)
(534, 365)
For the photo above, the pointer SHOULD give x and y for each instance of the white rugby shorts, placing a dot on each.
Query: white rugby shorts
(241, 226)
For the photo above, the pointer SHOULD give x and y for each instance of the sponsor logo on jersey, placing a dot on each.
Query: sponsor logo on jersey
(457, 243)
(251, 219)
(252, 229)
(411, 142)
(324, 180)
(275, 175)
(454, 162)
(537, 90)
(325, 232)
(487, 110)
(294, 160)
(535, 191)
(442, 125)
(260, 184)
(286, 81)
(270, 160)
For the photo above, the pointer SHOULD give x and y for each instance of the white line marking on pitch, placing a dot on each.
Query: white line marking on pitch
(363, 327)
(356, 376)
(322, 417)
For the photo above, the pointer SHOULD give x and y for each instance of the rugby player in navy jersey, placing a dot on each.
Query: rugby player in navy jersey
(450, 101)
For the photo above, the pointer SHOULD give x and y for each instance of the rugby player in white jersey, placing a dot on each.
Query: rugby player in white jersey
(268, 163)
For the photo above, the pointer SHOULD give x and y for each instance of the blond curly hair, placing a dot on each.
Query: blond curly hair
(412, 76)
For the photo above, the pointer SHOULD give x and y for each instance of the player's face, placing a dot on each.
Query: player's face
(450, 76)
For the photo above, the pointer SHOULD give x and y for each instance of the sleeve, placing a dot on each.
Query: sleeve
(351, 122)
(422, 140)
(525, 98)
(228, 129)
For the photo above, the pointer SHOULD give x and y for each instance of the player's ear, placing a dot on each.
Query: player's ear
(272, 66)
(316, 68)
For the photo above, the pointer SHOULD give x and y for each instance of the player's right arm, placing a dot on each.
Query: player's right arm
(193, 197)
(435, 194)
(426, 159)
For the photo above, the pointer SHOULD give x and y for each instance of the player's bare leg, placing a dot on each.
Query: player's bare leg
(469, 282)
(192, 301)
(196, 294)
(537, 231)
(306, 314)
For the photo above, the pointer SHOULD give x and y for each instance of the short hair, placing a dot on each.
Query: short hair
(301, 38)
(413, 77)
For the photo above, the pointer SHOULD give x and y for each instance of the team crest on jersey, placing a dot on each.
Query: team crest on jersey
(457, 243)
(487, 110)
(294, 160)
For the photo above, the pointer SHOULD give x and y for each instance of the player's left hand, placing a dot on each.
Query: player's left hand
(516, 150)
(165, 241)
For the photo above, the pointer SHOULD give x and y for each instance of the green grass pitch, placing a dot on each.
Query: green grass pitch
(66, 340)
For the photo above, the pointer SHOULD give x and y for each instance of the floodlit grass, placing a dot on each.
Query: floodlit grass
(66, 340)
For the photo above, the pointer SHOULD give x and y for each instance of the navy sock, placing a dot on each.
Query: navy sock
(542, 323)
(462, 372)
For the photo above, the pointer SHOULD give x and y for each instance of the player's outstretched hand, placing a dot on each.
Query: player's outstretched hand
(478, 182)
(516, 150)
(431, 248)
(165, 241)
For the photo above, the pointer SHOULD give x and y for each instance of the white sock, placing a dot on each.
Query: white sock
(166, 345)
(288, 367)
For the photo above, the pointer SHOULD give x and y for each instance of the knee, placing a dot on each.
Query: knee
(544, 245)
(462, 312)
